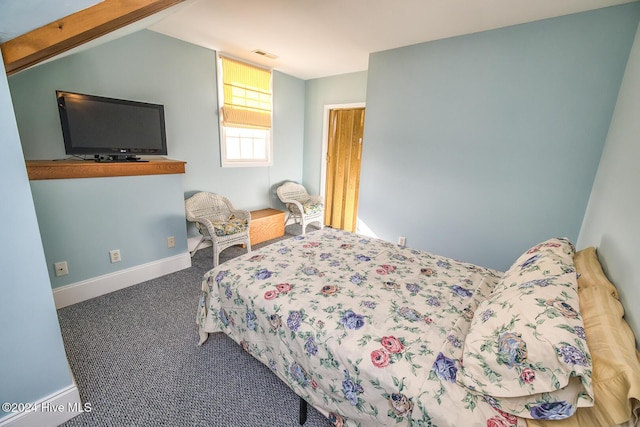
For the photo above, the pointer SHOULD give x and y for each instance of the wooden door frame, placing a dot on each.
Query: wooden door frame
(325, 139)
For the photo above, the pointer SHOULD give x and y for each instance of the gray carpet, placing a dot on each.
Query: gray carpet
(134, 357)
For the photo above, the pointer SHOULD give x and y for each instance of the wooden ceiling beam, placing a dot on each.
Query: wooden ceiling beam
(72, 31)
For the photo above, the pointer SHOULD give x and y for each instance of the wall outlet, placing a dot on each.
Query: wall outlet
(171, 242)
(61, 268)
(115, 256)
(402, 241)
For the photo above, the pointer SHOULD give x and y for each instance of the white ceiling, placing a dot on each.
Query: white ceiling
(314, 38)
(319, 38)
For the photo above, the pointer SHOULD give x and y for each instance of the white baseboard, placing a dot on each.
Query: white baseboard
(91, 288)
(52, 411)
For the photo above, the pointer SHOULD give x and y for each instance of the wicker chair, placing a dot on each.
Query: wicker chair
(303, 208)
(218, 222)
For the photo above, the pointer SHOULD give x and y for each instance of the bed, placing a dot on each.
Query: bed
(371, 333)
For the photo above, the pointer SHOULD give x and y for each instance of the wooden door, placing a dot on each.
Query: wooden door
(344, 156)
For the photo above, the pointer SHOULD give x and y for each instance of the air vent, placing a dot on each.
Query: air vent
(266, 54)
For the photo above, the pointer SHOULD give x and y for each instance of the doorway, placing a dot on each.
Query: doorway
(344, 127)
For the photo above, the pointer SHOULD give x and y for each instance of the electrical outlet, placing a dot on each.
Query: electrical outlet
(115, 256)
(171, 242)
(61, 268)
(402, 241)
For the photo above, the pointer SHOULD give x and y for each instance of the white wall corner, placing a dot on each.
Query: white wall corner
(91, 288)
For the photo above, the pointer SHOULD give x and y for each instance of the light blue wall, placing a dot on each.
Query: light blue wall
(611, 223)
(81, 220)
(478, 147)
(342, 89)
(33, 362)
(288, 135)
(151, 67)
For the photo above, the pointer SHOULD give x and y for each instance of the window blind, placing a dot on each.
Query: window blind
(247, 95)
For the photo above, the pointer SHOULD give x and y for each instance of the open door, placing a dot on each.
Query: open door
(344, 157)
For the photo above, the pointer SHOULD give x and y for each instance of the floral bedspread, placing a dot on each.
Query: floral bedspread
(367, 332)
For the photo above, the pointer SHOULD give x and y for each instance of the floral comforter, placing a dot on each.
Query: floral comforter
(367, 332)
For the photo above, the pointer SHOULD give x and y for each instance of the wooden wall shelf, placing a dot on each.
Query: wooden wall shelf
(65, 169)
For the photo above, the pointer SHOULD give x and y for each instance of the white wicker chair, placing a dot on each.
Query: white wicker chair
(207, 210)
(295, 197)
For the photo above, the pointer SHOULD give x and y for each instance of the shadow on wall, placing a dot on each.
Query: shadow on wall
(273, 195)
(617, 267)
(363, 229)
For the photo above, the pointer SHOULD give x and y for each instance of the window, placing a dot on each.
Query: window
(245, 115)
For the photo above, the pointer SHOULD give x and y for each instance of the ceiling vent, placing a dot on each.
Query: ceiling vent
(265, 54)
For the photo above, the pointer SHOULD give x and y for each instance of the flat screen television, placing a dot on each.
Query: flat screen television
(110, 129)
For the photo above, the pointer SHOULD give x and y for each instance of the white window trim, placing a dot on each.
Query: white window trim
(238, 163)
(227, 163)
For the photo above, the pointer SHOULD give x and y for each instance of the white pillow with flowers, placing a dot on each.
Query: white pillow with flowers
(526, 346)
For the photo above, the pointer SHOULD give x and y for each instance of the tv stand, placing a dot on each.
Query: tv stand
(61, 169)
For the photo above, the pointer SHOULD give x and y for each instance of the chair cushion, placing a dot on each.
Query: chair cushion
(311, 206)
(232, 226)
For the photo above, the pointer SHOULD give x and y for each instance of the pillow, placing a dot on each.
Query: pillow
(547, 259)
(590, 273)
(616, 365)
(311, 206)
(526, 345)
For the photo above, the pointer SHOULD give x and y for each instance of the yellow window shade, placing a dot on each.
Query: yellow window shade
(247, 95)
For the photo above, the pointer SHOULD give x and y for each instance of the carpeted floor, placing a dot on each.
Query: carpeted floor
(135, 359)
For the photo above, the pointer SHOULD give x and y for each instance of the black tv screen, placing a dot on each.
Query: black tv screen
(119, 128)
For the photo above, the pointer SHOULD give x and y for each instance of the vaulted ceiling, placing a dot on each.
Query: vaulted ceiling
(69, 31)
(309, 38)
